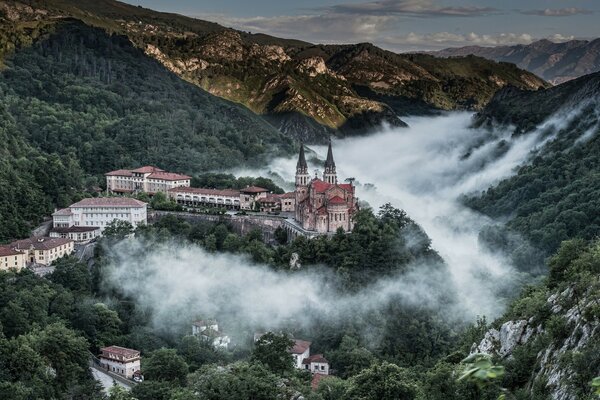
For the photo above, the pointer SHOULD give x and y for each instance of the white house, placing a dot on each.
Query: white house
(98, 212)
(209, 331)
(300, 350)
(316, 364)
(146, 179)
(120, 360)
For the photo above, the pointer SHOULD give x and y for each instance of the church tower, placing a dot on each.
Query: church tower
(302, 176)
(330, 175)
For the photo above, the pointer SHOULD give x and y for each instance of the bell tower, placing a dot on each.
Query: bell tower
(330, 174)
(302, 176)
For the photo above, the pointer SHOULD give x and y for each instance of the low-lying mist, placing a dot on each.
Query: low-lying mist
(423, 169)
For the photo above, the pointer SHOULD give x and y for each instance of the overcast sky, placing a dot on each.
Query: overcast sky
(400, 25)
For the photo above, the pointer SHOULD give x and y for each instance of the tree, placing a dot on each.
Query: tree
(73, 275)
(153, 390)
(383, 381)
(166, 365)
(118, 229)
(239, 381)
(274, 352)
(281, 235)
(350, 358)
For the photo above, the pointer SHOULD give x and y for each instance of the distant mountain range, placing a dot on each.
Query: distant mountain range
(306, 91)
(555, 62)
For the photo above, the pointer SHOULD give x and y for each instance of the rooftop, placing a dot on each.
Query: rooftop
(148, 169)
(6, 251)
(120, 351)
(254, 189)
(40, 243)
(75, 229)
(168, 176)
(317, 358)
(337, 200)
(64, 211)
(300, 346)
(109, 202)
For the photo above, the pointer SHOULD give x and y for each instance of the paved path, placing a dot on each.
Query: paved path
(107, 381)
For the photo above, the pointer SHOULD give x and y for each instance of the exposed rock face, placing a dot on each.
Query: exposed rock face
(555, 62)
(550, 370)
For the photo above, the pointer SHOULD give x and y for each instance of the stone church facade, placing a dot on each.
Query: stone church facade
(323, 205)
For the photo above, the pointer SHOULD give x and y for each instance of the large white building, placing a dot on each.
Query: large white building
(120, 360)
(99, 212)
(146, 179)
(194, 197)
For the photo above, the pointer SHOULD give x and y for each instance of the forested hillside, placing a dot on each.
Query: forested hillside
(557, 196)
(78, 102)
(307, 91)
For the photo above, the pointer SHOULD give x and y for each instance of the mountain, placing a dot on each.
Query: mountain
(555, 62)
(306, 91)
(78, 102)
(556, 197)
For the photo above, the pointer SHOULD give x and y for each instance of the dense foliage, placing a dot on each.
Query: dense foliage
(78, 102)
(557, 196)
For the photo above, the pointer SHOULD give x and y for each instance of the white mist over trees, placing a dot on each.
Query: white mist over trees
(424, 169)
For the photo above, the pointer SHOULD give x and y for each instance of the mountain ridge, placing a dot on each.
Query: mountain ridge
(555, 62)
(308, 91)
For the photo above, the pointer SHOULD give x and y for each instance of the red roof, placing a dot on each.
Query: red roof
(168, 176)
(207, 192)
(346, 186)
(300, 346)
(148, 169)
(320, 186)
(64, 212)
(6, 251)
(317, 358)
(337, 200)
(119, 172)
(120, 351)
(40, 243)
(254, 189)
(322, 210)
(109, 202)
(289, 195)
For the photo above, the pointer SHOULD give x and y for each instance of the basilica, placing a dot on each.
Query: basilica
(323, 205)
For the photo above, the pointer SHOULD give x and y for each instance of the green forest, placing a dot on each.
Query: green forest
(50, 326)
(79, 102)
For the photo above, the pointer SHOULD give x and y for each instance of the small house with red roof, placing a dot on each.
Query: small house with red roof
(120, 360)
(146, 179)
(316, 364)
(323, 205)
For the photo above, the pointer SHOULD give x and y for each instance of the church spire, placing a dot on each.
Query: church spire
(329, 163)
(330, 175)
(302, 176)
(301, 165)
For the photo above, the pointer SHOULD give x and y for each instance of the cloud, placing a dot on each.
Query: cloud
(413, 8)
(448, 39)
(382, 30)
(557, 12)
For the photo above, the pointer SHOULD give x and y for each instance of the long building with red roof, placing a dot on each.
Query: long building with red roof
(146, 179)
(323, 205)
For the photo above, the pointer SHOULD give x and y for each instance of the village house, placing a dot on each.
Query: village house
(323, 205)
(208, 330)
(146, 179)
(250, 196)
(120, 360)
(316, 364)
(198, 197)
(98, 212)
(300, 351)
(43, 250)
(11, 259)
